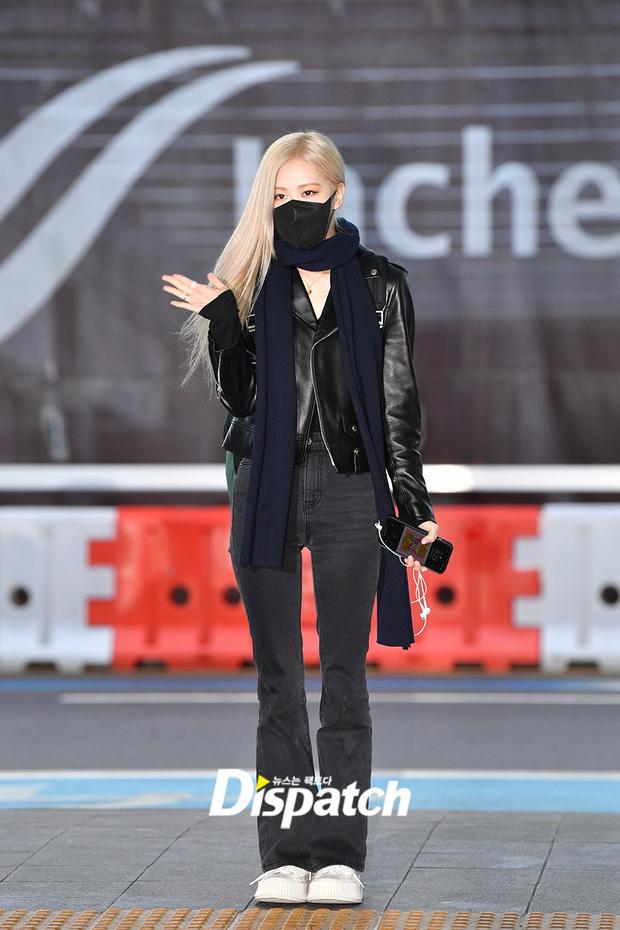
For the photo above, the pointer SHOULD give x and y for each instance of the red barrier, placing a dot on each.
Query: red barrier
(177, 603)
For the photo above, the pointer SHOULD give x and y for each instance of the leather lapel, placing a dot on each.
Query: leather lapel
(327, 320)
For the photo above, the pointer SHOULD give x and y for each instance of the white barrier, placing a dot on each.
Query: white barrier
(578, 610)
(46, 583)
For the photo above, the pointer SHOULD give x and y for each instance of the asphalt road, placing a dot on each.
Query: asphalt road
(203, 722)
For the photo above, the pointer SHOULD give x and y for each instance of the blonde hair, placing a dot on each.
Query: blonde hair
(244, 261)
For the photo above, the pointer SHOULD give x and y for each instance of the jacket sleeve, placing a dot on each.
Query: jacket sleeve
(231, 354)
(402, 414)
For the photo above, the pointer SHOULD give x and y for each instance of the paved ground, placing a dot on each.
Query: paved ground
(431, 860)
(104, 783)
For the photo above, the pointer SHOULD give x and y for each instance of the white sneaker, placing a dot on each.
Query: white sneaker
(335, 884)
(286, 884)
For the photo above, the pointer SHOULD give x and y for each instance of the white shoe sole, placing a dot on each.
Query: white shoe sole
(333, 891)
(280, 891)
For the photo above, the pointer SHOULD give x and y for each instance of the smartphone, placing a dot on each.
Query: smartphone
(405, 540)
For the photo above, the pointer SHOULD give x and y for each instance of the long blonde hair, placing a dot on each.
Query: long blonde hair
(244, 261)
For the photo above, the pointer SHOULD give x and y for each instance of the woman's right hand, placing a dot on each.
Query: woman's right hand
(198, 295)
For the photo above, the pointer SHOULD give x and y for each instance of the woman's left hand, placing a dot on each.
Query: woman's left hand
(192, 295)
(432, 531)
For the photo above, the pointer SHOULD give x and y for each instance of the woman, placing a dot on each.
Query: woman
(309, 344)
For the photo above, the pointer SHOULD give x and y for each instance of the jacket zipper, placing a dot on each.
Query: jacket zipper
(318, 406)
(311, 414)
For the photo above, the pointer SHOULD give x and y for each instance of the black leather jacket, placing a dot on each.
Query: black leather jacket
(319, 364)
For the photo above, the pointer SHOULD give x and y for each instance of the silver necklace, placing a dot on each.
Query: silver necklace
(309, 288)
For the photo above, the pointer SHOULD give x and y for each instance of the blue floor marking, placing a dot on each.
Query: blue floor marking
(448, 792)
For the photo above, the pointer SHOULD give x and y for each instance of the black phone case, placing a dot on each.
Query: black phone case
(440, 550)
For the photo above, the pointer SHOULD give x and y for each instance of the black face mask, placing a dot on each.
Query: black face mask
(303, 223)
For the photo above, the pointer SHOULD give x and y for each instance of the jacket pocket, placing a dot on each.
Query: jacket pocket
(350, 425)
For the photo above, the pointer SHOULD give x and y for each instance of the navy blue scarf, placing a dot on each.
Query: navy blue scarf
(273, 453)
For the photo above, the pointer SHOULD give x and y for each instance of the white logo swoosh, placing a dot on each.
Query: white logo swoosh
(33, 144)
(32, 272)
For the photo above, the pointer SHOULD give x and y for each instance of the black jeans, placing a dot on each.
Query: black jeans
(333, 514)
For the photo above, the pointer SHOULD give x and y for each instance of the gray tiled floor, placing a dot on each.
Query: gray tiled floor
(445, 860)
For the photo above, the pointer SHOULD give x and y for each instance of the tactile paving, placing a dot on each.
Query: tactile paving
(335, 917)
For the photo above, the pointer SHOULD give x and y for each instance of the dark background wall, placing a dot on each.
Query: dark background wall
(482, 145)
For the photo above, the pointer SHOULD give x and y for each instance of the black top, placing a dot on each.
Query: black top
(310, 317)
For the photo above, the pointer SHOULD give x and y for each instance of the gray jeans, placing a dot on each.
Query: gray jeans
(333, 514)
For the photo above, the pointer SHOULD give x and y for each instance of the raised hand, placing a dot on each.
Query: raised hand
(192, 294)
